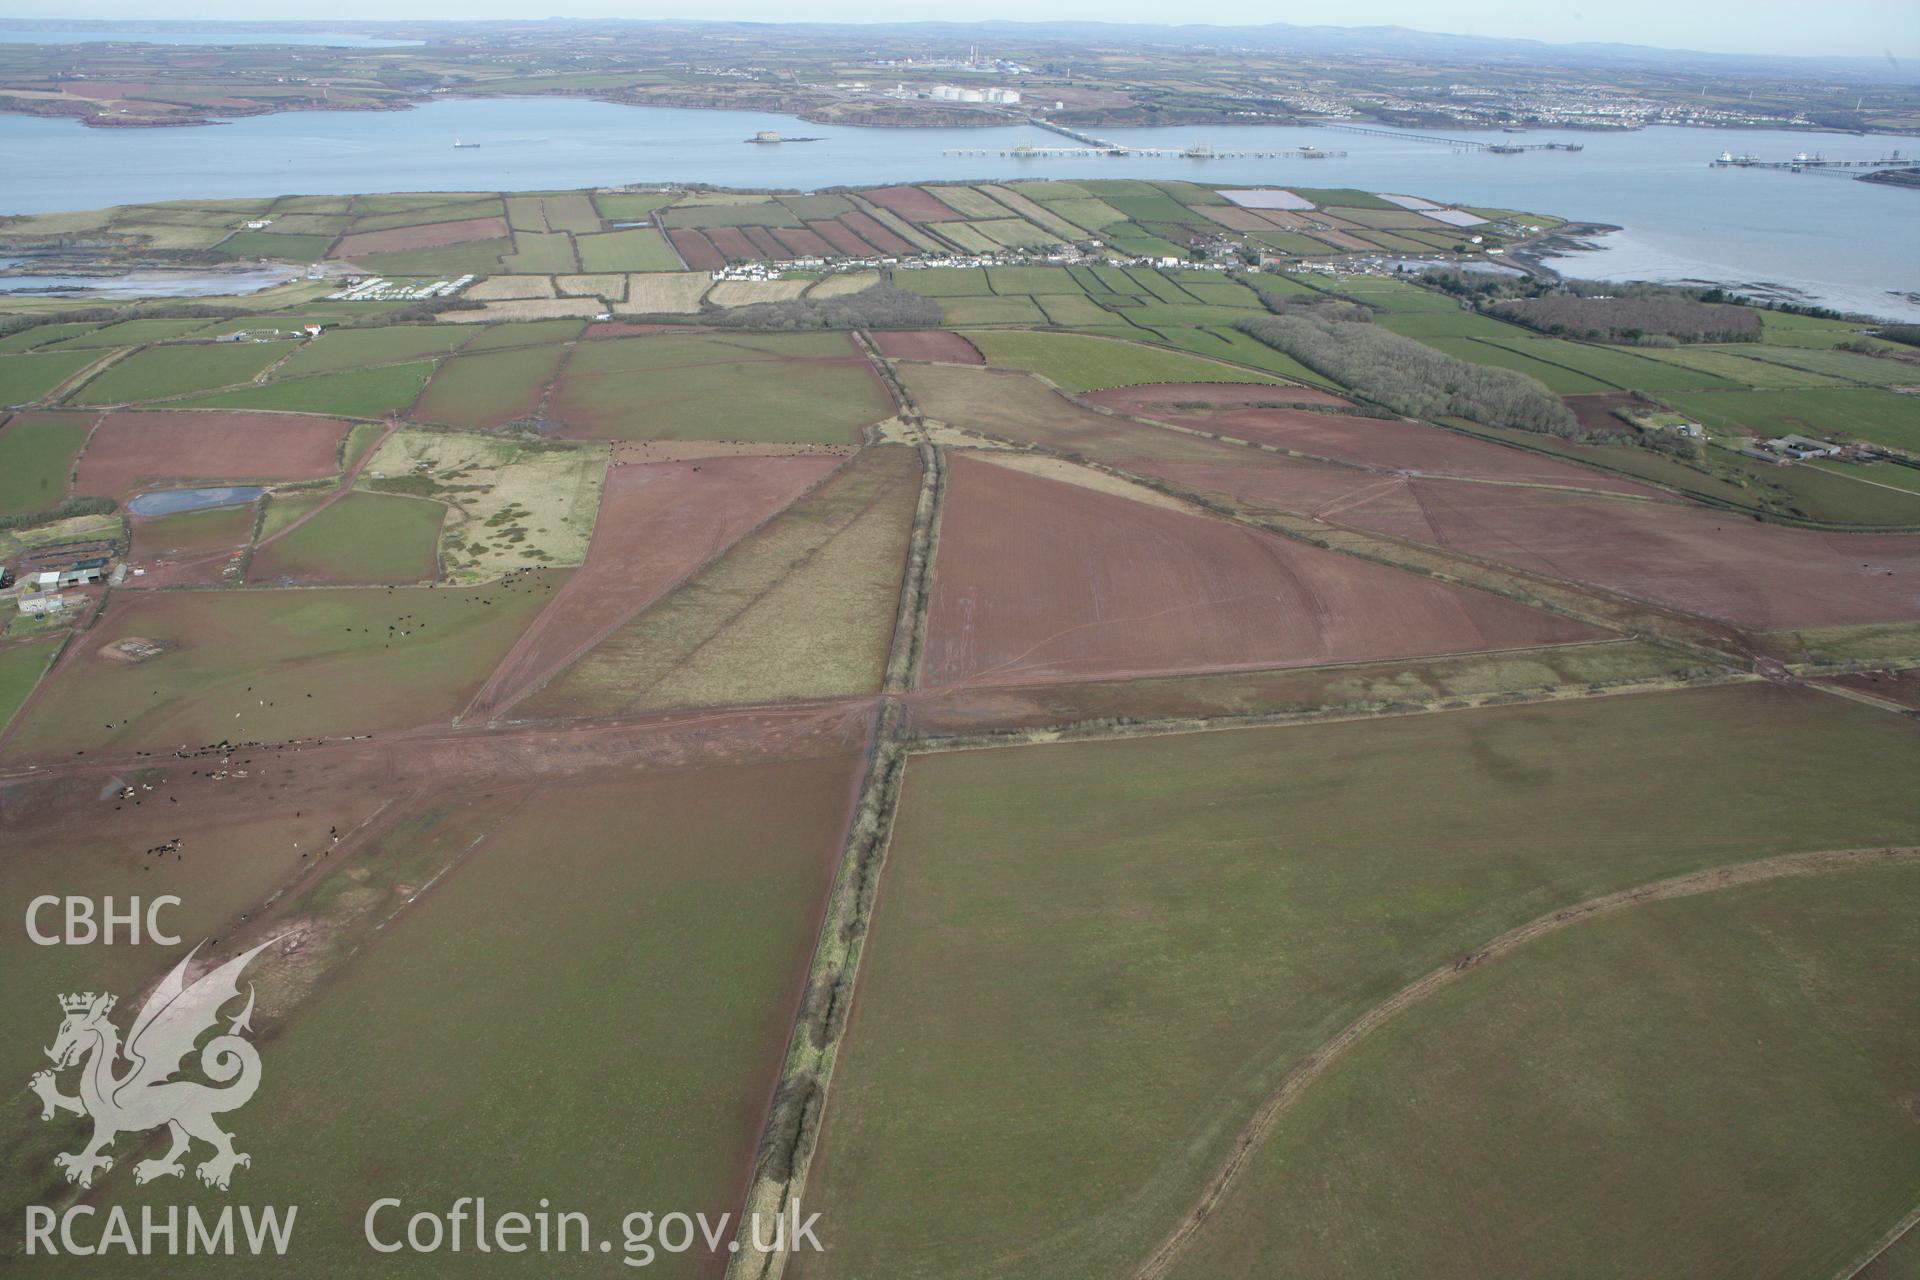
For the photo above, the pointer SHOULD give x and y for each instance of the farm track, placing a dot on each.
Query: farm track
(1901, 1230)
(806, 1076)
(1319, 1061)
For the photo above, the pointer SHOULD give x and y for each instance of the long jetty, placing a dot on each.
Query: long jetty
(1812, 164)
(1094, 146)
(1462, 144)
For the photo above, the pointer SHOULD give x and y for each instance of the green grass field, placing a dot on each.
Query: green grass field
(803, 607)
(21, 666)
(31, 376)
(1072, 310)
(344, 349)
(491, 388)
(356, 393)
(275, 245)
(1013, 310)
(46, 333)
(629, 208)
(1732, 364)
(776, 387)
(524, 333)
(132, 333)
(475, 257)
(1847, 366)
(244, 663)
(36, 458)
(653, 873)
(945, 282)
(1706, 1087)
(540, 253)
(634, 249)
(1150, 934)
(364, 537)
(1080, 363)
(161, 372)
(1884, 417)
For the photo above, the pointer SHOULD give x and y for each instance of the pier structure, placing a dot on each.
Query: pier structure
(1094, 146)
(1805, 163)
(1458, 144)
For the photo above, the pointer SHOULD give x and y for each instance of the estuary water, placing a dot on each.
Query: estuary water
(1841, 243)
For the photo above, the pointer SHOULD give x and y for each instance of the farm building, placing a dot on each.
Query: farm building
(1795, 446)
(39, 606)
(53, 580)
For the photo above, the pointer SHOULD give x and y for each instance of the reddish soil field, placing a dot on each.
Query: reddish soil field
(801, 244)
(643, 451)
(430, 236)
(1899, 687)
(763, 241)
(841, 238)
(1015, 407)
(1159, 399)
(927, 344)
(130, 450)
(1388, 446)
(106, 88)
(1262, 483)
(1039, 580)
(913, 204)
(1738, 570)
(193, 549)
(695, 250)
(658, 522)
(869, 229)
(732, 243)
(1595, 412)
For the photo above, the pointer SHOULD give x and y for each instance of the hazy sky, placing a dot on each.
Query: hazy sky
(1863, 27)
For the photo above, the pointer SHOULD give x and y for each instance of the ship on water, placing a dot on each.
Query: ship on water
(460, 146)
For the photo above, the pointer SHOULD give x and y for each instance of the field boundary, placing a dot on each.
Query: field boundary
(1107, 730)
(791, 1136)
(1317, 1062)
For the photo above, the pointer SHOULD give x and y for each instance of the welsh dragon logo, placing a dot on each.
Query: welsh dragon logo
(145, 1095)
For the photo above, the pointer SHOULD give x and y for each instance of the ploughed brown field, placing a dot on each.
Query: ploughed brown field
(927, 344)
(1724, 566)
(1041, 580)
(1392, 445)
(658, 522)
(1595, 412)
(869, 229)
(695, 249)
(912, 204)
(842, 238)
(130, 450)
(430, 236)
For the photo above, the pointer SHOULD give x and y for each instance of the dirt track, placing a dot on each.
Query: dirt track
(1317, 1063)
